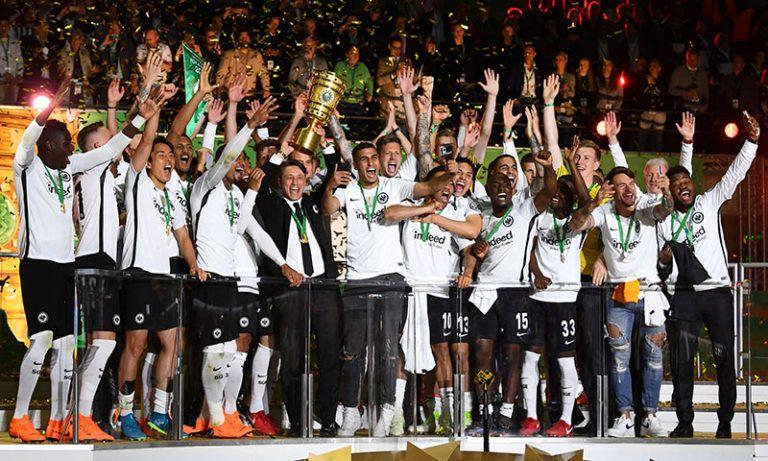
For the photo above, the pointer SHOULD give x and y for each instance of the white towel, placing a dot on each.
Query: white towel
(415, 338)
(655, 305)
(483, 298)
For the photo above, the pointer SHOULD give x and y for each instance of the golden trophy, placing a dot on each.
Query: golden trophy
(325, 92)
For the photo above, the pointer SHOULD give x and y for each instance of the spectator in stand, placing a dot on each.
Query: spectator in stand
(564, 99)
(739, 91)
(247, 61)
(303, 66)
(211, 49)
(429, 61)
(525, 80)
(610, 93)
(117, 52)
(386, 77)
(152, 44)
(348, 35)
(586, 88)
(358, 80)
(74, 62)
(11, 63)
(653, 117)
(188, 38)
(689, 85)
(720, 60)
(757, 66)
(459, 56)
(506, 54)
(37, 50)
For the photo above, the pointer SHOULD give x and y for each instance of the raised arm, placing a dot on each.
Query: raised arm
(491, 87)
(687, 128)
(582, 218)
(549, 93)
(544, 196)
(423, 151)
(188, 110)
(298, 113)
(141, 155)
(664, 208)
(115, 93)
(408, 87)
(509, 142)
(25, 151)
(725, 188)
(340, 138)
(236, 92)
(582, 192)
(612, 129)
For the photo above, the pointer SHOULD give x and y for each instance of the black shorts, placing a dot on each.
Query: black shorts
(445, 323)
(554, 325)
(150, 301)
(99, 296)
(507, 320)
(48, 296)
(215, 313)
(255, 315)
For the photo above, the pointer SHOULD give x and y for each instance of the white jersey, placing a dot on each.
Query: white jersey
(246, 265)
(152, 215)
(701, 226)
(630, 245)
(46, 196)
(180, 190)
(557, 253)
(215, 215)
(509, 240)
(99, 220)
(431, 253)
(373, 245)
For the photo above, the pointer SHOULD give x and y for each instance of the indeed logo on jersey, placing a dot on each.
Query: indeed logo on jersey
(617, 245)
(551, 240)
(160, 206)
(430, 238)
(235, 212)
(377, 217)
(502, 239)
(66, 185)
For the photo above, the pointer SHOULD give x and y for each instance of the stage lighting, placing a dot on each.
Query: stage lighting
(601, 127)
(731, 130)
(40, 102)
(622, 80)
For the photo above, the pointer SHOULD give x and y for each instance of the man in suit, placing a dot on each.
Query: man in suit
(295, 223)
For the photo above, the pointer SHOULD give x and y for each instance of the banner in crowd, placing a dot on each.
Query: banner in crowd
(193, 65)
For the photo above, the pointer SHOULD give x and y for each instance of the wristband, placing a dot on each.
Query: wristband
(507, 130)
(112, 107)
(396, 129)
(549, 104)
(138, 121)
(329, 150)
(262, 133)
(687, 141)
(433, 128)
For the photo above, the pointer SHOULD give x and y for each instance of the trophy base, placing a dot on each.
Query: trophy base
(307, 140)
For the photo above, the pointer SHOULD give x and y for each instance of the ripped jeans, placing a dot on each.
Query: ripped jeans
(621, 319)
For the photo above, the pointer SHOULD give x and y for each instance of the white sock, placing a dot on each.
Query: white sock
(213, 377)
(467, 402)
(529, 381)
(259, 374)
(146, 383)
(125, 403)
(490, 409)
(62, 363)
(160, 401)
(234, 381)
(29, 372)
(437, 406)
(400, 393)
(92, 369)
(507, 409)
(569, 381)
(446, 395)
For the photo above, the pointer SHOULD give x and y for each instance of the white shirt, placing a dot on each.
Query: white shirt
(294, 256)
(561, 265)
(638, 262)
(179, 188)
(373, 251)
(99, 220)
(507, 258)
(146, 229)
(46, 230)
(705, 229)
(434, 258)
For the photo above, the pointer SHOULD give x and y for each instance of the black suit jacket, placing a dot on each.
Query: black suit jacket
(276, 215)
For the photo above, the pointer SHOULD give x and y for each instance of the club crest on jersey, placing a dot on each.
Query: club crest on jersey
(116, 320)
(244, 322)
(508, 221)
(42, 317)
(216, 333)
(697, 217)
(383, 198)
(65, 177)
(316, 209)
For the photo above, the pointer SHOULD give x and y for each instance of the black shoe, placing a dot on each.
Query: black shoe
(329, 430)
(294, 431)
(723, 431)
(503, 425)
(682, 431)
(590, 430)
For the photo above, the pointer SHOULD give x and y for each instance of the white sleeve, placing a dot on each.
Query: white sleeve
(25, 151)
(511, 149)
(686, 157)
(727, 185)
(179, 217)
(461, 136)
(341, 194)
(598, 217)
(246, 210)
(209, 136)
(619, 159)
(404, 189)
(232, 150)
(108, 152)
(409, 167)
(263, 241)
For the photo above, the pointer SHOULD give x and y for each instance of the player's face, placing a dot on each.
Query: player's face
(59, 149)
(463, 179)
(626, 190)
(305, 159)
(508, 167)
(237, 170)
(265, 154)
(182, 150)
(500, 191)
(367, 164)
(529, 169)
(292, 182)
(444, 196)
(160, 164)
(586, 163)
(99, 138)
(564, 198)
(683, 190)
(651, 175)
(390, 159)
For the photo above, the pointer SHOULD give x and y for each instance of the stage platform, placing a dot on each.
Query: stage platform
(699, 449)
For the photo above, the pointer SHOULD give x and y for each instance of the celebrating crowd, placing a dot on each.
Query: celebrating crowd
(516, 250)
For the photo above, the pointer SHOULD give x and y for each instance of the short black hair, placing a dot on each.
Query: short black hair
(161, 140)
(617, 171)
(467, 161)
(678, 169)
(50, 130)
(527, 158)
(85, 133)
(290, 162)
(494, 162)
(384, 140)
(265, 143)
(360, 146)
(433, 172)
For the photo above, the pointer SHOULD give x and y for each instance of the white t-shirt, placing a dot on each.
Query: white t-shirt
(99, 221)
(705, 230)
(507, 258)
(638, 261)
(246, 266)
(561, 265)
(215, 215)
(373, 251)
(434, 258)
(180, 190)
(148, 224)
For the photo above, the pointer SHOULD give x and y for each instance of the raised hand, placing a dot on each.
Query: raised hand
(61, 93)
(491, 85)
(151, 106)
(551, 89)
(405, 80)
(391, 121)
(167, 91)
(255, 179)
(605, 193)
(339, 178)
(237, 91)
(570, 153)
(428, 84)
(687, 126)
(205, 84)
(152, 68)
(612, 127)
(216, 112)
(468, 116)
(300, 104)
(663, 183)
(510, 119)
(252, 108)
(752, 126)
(543, 158)
(115, 92)
(473, 136)
(422, 104)
(264, 112)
